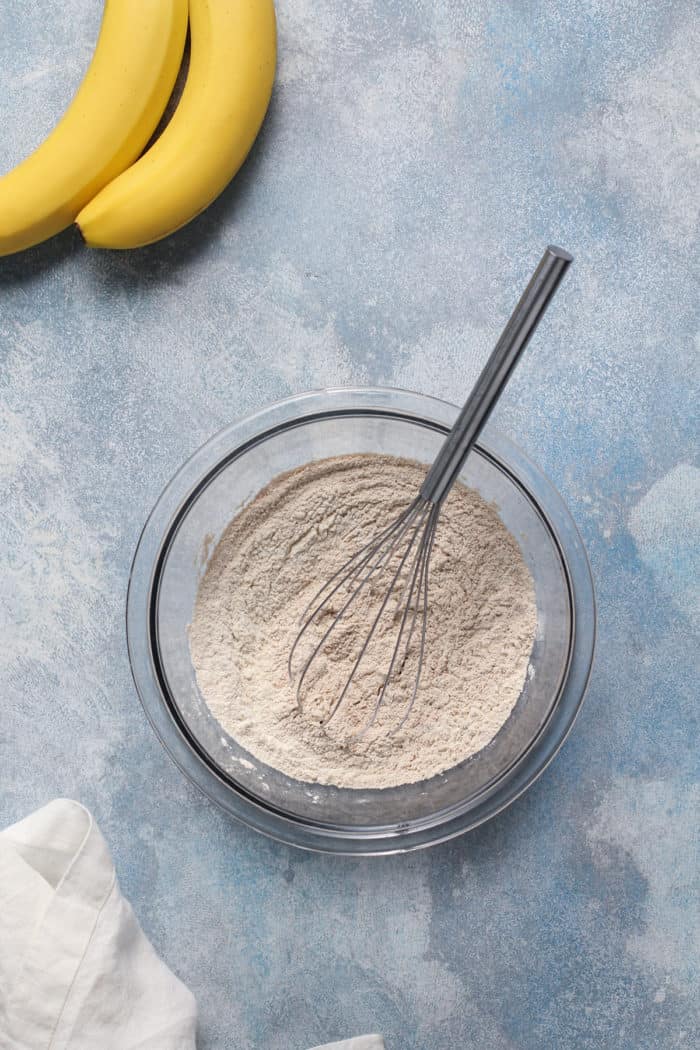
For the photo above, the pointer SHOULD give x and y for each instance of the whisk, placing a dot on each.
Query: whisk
(402, 550)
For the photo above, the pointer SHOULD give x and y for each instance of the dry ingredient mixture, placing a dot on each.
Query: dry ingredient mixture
(267, 567)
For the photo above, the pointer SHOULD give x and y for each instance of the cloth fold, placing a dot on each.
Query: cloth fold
(77, 971)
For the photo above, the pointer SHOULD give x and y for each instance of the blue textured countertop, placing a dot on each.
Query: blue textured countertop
(416, 159)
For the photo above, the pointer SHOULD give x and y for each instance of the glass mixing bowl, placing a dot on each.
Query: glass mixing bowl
(172, 555)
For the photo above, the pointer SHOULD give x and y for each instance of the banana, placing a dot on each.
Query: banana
(106, 126)
(226, 94)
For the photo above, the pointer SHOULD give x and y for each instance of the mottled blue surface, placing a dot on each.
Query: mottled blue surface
(416, 158)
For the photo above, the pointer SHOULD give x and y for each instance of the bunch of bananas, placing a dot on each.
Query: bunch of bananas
(90, 169)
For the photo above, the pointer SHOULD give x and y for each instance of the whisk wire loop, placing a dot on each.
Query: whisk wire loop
(419, 580)
(415, 529)
(391, 537)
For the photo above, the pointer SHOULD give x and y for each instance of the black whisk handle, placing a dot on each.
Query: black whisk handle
(496, 373)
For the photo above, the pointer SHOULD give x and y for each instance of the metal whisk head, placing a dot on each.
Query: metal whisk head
(400, 553)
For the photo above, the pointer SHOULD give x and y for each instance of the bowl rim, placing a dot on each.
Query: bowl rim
(230, 441)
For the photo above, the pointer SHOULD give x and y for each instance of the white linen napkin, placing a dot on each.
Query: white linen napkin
(76, 970)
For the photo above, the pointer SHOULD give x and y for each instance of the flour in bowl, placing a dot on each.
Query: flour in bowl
(265, 570)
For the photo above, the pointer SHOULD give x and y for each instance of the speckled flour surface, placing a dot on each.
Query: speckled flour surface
(268, 566)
